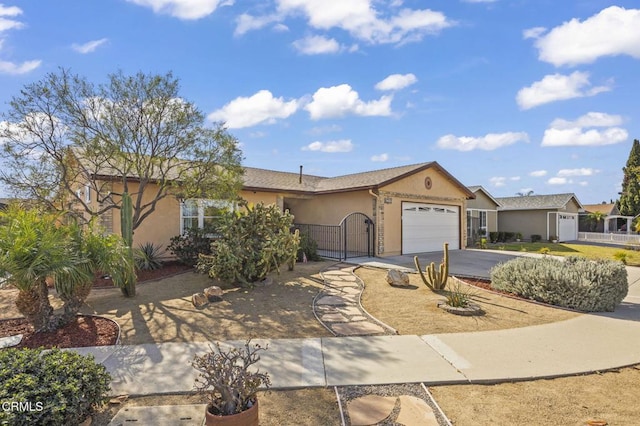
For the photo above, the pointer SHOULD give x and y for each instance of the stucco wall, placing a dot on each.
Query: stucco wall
(481, 202)
(527, 222)
(329, 209)
(413, 189)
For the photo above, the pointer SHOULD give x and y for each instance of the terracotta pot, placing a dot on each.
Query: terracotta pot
(246, 418)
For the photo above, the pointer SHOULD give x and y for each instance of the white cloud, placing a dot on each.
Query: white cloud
(498, 181)
(583, 183)
(515, 178)
(316, 45)
(584, 131)
(557, 87)
(534, 32)
(558, 181)
(89, 46)
(15, 69)
(183, 9)
(343, 145)
(613, 31)
(578, 137)
(577, 172)
(246, 23)
(6, 23)
(538, 173)
(590, 119)
(360, 18)
(260, 108)
(488, 142)
(380, 158)
(396, 82)
(338, 101)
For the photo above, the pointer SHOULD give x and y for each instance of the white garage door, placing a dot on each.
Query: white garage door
(426, 227)
(567, 227)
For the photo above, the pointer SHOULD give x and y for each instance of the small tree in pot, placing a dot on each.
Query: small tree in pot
(229, 385)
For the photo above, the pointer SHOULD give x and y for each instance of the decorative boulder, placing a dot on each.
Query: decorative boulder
(199, 300)
(397, 278)
(213, 293)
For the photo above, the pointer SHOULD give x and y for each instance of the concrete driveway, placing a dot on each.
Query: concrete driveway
(463, 263)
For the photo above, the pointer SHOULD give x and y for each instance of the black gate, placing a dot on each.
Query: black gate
(353, 237)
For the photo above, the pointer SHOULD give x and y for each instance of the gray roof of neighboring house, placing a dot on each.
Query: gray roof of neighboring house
(536, 202)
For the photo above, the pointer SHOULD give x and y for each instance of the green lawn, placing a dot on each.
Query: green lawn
(560, 249)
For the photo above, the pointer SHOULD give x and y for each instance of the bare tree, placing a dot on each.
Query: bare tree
(63, 133)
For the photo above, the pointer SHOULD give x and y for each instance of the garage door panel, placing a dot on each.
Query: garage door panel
(426, 227)
(567, 227)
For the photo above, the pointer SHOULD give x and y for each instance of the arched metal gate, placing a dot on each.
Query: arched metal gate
(353, 237)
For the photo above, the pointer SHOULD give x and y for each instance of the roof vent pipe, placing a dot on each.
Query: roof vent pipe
(300, 179)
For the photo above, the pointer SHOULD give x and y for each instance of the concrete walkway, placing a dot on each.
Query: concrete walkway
(590, 342)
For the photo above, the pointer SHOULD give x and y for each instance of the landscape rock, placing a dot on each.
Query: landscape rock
(199, 300)
(397, 278)
(213, 293)
(415, 411)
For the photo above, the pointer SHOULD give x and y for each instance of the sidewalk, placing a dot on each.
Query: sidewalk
(591, 342)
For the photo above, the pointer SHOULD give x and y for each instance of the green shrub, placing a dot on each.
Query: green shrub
(578, 283)
(193, 242)
(536, 238)
(509, 236)
(544, 250)
(55, 387)
(309, 247)
(493, 237)
(621, 256)
(147, 257)
(252, 244)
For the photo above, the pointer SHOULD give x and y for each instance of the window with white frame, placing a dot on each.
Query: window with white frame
(202, 213)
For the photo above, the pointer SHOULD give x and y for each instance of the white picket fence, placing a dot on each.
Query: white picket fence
(609, 238)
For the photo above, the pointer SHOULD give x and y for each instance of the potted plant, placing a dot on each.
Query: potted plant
(553, 239)
(518, 236)
(225, 378)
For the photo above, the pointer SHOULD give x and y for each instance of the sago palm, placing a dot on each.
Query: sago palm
(36, 247)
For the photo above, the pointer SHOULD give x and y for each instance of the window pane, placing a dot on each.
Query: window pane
(190, 208)
(189, 222)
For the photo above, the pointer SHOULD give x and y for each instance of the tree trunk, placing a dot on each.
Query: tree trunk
(34, 305)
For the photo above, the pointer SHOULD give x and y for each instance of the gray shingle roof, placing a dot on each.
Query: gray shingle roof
(536, 202)
(476, 188)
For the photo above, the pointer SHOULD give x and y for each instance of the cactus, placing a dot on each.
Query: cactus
(435, 279)
(126, 230)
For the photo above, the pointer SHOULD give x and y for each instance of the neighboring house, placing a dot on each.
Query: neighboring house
(612, 220)
(554, 215)
(482, 214)
(400, 210)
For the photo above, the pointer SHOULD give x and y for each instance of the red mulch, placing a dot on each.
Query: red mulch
(168, 269)
(486, 284)
(84, 331)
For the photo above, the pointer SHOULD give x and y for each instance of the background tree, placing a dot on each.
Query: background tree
(629, 203)
(595, 218)
(37, 250)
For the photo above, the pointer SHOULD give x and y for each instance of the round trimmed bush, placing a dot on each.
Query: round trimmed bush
(575, 282)
(49, 387)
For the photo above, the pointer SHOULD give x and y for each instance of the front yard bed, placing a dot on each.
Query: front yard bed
(413, 310)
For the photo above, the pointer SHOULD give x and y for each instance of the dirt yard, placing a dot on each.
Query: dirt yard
(162, 312)
(413, 310)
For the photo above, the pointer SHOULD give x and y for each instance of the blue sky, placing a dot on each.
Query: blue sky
(514, 95)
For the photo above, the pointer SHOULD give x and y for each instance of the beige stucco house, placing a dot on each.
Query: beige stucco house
(554, 215)
(400, 210)
(482, 214)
